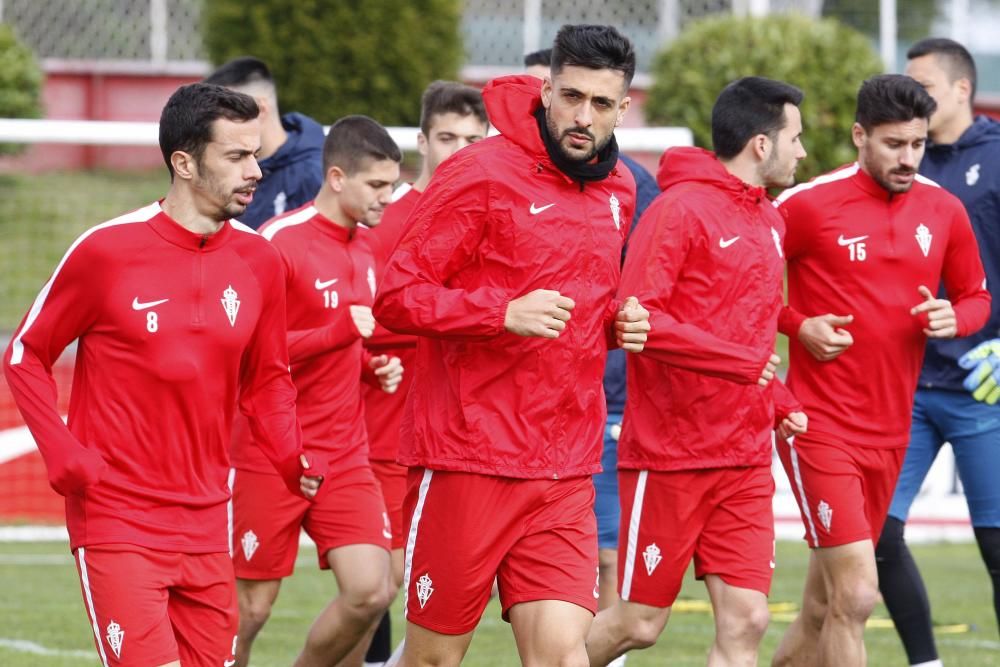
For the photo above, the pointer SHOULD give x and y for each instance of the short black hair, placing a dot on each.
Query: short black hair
(241, 72)
(186, 120)
(955, 58)
(892, 98)
(747, 107)
(542, 57)
(593, 47)
(354, 139)
(442, 97)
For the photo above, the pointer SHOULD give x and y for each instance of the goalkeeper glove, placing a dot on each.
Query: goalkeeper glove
(984, 380)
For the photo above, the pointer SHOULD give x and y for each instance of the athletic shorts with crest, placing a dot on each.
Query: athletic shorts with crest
(267, 520)
(537, 538)
(149, 607)
(843, 491)
(722, 518)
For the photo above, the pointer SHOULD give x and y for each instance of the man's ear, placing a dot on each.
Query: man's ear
(335, 178)
(184, 164)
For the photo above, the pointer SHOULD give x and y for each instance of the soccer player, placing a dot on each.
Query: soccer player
(179, 314)
(963, 156)
(452, 116)
(606, 508)
(291, 145)
(695, 452)
(509, 268)
(330, 284)
(865, 245)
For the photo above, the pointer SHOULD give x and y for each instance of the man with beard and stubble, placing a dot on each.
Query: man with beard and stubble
(952, 405)
(508, 270)
(865, 245)
(180, 315)
(694, 458)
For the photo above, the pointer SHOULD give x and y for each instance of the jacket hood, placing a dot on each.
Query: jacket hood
(304, 134)
(696, 165)
(511, 102)
(983, 130)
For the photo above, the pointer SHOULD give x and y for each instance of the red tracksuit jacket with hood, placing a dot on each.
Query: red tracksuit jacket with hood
(498, 221)
(706, 261)
(173, 328)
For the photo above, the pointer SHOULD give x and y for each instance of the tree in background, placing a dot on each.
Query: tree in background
(826, 59)
(330, 58)
(20, 83)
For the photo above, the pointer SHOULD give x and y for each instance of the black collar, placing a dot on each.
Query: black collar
(607, 157)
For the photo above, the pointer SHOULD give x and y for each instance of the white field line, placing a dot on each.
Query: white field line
(24, 646)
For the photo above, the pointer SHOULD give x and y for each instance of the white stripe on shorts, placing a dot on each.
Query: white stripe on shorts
(802, 491)
(229, 508)
(633, 534)
(411, 539)
(85, 579)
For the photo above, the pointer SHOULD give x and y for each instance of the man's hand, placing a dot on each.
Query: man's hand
(363, 320)
(824, 336)
(941, 322)
(795, 423)
(388, 370)
(631, 326)
(770, 367)
(542, 313)
(307, 484)
(984, 380)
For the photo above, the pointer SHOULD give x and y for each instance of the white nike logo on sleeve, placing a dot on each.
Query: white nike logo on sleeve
(725, 243)
(323, 284)
(842, 241)
(138, 305)
(535, 210)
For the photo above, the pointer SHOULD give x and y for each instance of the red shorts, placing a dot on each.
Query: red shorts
(267, 520)
(843, 492)
(392, 479)
(721, 517)
(538, 538)
(151, 607)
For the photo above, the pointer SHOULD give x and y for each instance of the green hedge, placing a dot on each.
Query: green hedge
(826, 59)
(330, 58)
(20, 82)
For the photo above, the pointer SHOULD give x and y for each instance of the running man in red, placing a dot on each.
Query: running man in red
(452, 116)
(867, 245)
(505, 418)
(694, 458)
(179, 314)
(330, 284)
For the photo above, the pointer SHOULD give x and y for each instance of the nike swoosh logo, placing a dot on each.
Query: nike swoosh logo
(229, 663)
(535, 210)
(386, 534)
(725, 243)
(321, 284)
(842, 241)
(138, 305)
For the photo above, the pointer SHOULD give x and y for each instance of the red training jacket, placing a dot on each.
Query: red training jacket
(706, 261)
(855, 249)
(384, 412)
(171, 327)
(328, 268)
(499, 221)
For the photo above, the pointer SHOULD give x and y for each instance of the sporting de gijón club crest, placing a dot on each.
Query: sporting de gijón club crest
(115, 636)
(231, 304)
